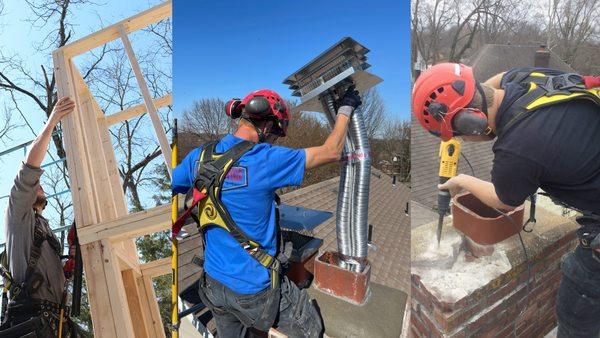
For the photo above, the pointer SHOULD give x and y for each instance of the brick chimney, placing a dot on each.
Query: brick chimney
(542, 57)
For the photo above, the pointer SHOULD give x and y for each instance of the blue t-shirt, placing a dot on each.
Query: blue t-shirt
(249, 196)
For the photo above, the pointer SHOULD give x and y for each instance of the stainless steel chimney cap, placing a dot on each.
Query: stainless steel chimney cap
(345, 59)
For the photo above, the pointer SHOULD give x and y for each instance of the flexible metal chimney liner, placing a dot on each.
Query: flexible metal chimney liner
(318, 84)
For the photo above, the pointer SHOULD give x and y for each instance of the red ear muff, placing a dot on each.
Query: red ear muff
(257, 106)
(470, 122)
(233, 108)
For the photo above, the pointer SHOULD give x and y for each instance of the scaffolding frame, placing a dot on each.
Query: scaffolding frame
(120, 290)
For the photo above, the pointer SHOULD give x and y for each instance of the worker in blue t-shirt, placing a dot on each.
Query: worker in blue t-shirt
(236, 286)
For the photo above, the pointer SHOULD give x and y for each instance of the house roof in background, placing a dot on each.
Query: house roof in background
(391, 229)
(490, 60)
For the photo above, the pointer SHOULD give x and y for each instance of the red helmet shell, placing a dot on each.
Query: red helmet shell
(449, 85)
(277, 107)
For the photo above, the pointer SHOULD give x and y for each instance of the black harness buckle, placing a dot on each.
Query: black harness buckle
(564, 84)
(589, 233)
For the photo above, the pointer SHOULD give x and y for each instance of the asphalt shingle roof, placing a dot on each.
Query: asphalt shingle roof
(391, 229)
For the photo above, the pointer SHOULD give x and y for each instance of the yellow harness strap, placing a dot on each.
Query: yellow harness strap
(540, 95)
(212, 212)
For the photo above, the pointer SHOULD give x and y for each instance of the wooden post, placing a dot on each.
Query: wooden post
(121, 296)
(158, 129)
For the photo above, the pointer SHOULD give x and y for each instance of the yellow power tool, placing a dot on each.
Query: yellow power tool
(449, 153)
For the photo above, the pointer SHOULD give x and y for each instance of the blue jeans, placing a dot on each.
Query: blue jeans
(578, 302)
(287, 308)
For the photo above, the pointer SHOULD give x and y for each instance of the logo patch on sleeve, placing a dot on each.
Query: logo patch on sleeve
(237, 177)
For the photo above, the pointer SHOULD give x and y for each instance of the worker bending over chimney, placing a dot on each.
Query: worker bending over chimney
(546, 124)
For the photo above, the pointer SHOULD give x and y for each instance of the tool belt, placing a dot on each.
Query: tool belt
(31, 317)
(205, 194)
(269, 313)
(33, 307)
(546, 90)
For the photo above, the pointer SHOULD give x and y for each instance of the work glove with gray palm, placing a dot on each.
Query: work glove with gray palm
(349, 101)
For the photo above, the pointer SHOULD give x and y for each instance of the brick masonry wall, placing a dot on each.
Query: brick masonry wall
(502, 308)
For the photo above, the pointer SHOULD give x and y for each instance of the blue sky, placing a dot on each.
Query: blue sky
(228, 48)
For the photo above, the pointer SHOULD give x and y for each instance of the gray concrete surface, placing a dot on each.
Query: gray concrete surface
(421, 214)
(381, 316)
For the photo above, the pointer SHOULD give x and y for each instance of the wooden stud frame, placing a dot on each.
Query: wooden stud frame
(120, 291)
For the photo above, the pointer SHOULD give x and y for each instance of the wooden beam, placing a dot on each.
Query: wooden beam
(128, 263)
(97, 285)
(119, 300)
(110, 33)
(107, 198)
(159, 267)
(137, 110)
(136, 305)
(73, 142)
(130, 226)
(156, 123)
(152, 311)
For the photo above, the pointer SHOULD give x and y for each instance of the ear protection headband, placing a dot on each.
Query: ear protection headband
(466, 121)
(258, 107)
(234, 108)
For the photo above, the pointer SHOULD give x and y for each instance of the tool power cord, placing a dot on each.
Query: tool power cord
(514, 223)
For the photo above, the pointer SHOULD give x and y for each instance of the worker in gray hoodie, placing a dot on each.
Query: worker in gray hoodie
(33, 266)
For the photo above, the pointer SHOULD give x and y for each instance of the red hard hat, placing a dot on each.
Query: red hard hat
(260, 105)
(439, 94)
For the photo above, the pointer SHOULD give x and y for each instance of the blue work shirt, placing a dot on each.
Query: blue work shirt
(249, 196)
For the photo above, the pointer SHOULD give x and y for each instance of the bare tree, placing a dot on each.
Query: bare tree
(574, 24)
(429, 22)
(395, 148)
(307, 130)
(207, 119)
(115, 87)
(373, 110)
(7, 125)
(449, 29)
(40, 88)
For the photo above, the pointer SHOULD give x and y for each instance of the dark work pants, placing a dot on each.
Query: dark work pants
(578, 303)
(295, 314)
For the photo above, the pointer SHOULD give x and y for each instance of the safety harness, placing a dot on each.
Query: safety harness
(32, 280)
(205, 194)
(545, 90)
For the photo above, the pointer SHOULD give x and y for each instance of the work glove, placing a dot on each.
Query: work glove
(349, 101)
